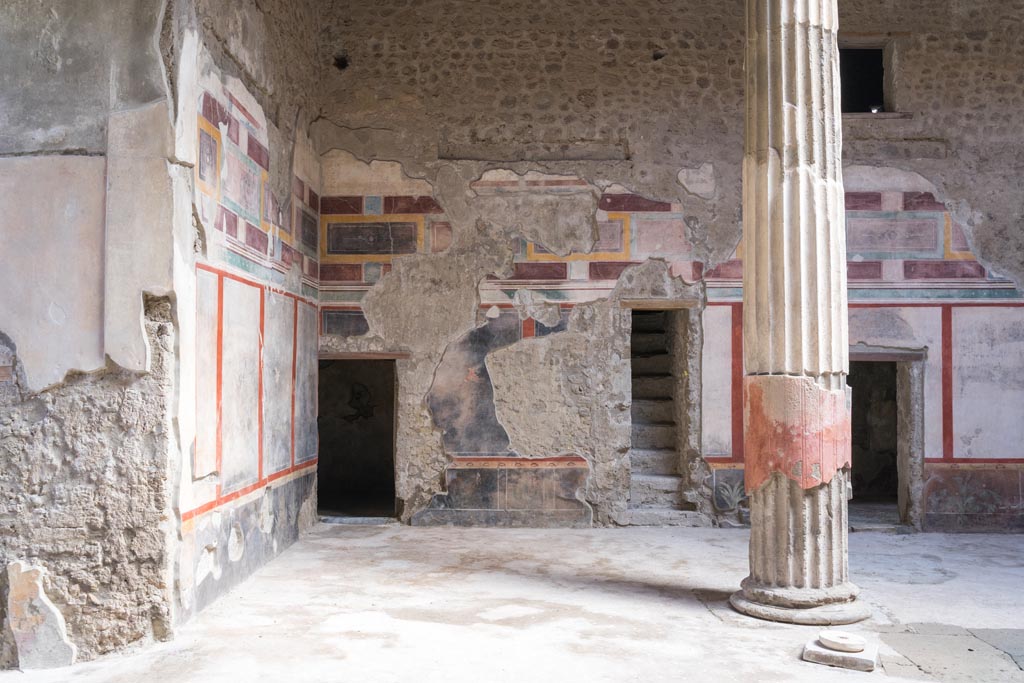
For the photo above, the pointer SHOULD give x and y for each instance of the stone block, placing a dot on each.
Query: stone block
(865, 660)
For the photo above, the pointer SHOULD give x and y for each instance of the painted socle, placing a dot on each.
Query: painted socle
(796, 412)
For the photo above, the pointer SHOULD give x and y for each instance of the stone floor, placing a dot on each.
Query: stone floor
(358, 603)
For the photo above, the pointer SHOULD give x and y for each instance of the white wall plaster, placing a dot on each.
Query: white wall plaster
(52, 278)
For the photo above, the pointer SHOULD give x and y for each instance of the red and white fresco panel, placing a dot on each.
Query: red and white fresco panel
(278, 339)
(716, 382)
(240, 361)
(207, 314)
(305, 384)
(988, 382)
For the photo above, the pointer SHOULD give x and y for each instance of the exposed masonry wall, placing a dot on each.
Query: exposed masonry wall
(85, 492)
(661, 83)
(645, 97)
(584, 75)
(626, 93)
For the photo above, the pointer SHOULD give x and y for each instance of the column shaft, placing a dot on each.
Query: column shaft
(795, 337)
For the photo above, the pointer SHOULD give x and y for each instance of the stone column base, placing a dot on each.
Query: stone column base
(830, 614)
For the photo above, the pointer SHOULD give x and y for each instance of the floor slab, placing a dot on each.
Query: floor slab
(395, 603)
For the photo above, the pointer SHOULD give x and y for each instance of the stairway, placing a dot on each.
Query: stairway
(654, 497)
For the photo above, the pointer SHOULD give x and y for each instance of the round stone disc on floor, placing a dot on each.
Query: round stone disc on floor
(841, 641)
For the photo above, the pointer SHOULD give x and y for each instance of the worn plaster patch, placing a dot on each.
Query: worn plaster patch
(529, 304)
(562, 223)
(341, 169)
(266, 513)
(40, 633)
(700, 181)
(207, 565)
(236, 543)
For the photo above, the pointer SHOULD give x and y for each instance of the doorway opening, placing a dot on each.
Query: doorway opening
(356, 423)
(656, 363)
(875, 472)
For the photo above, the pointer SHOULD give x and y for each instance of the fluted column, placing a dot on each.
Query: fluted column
(795, 338)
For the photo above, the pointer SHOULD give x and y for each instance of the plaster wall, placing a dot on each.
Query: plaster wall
(988, 382)
(247, 272)
(54, 289)
(717, 396)
(101, 156)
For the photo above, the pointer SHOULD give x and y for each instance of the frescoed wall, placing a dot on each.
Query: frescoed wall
(222, 196)
(915, 286)
(248, 486)
(491, 471)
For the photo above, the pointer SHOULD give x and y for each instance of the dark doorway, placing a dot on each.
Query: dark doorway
(356, 471)
(875, 475)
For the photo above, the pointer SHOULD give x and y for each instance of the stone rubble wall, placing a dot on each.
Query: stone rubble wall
(86, 493)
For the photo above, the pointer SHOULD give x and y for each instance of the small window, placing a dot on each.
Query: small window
(863, 79)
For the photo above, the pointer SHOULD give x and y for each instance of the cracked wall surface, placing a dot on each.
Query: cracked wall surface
(86, 493)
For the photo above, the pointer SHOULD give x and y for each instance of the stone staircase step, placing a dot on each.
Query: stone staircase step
(653, 387)
(654, 435)
(659, 364)
(653, 461)
(652, 410)
(649, 321)
(648, 343)
(654, 491)
(660, 517)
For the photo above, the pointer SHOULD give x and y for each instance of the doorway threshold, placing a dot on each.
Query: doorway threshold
(353, 520)
(883, 517)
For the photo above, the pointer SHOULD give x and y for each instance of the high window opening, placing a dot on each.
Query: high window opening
(863, 80)
(875, 468)
(356, 470)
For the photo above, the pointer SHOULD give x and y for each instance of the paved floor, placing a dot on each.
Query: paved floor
(370, 604)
